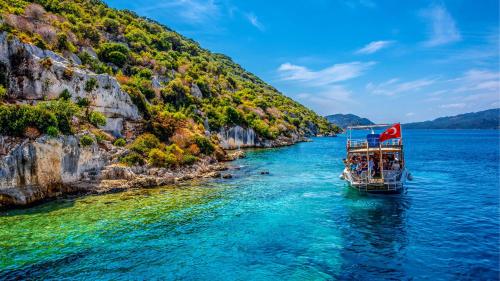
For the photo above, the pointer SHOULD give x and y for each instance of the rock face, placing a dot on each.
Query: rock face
(47, 167)
(34, 170)
(32, 74)
(237, 137)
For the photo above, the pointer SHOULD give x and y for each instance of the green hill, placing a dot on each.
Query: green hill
(487, 119)
(345, 120)
(179, 88)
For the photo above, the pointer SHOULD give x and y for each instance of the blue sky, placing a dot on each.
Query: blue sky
(386, 60)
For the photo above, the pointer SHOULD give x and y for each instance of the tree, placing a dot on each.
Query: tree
(114, 53)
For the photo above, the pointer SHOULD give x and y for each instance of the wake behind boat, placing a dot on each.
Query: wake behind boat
(375, 163)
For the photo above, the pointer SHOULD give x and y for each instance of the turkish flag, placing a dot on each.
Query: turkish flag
(391, 133)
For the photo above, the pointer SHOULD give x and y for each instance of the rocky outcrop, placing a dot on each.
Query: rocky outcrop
(47, 167)
(238, 137)
(34, 170)
(32, 74)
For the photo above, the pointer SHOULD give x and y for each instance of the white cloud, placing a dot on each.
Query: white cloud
(394, 86)
(189, 11)
(328, 100)
(443, 29)
(326, 76)
(476, 80)
(252, 18)
(474, 89)
(409, 114)
(453, 105)
(373, 47)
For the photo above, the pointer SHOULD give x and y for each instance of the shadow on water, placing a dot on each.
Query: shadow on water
(374, 236)
(44, 206)
(40, 270)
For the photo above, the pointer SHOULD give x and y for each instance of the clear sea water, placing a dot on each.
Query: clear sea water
(300, 222)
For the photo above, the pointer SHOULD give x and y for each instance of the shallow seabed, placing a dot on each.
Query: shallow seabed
(300, 222)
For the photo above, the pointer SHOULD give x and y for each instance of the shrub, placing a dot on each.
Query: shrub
(34, 11)
(68, 74)
(46, 63)
(164, 123)
(176, 93)
(114, 53)
(82, 102)
(205, 145)
(233, 116)
(111, 25)
(145, 73)
(86, 140)
(120, 142)
(90, 85)
(14, 119)
(65, 95)
(52, 131)
(158, 157)
(189, 159)
(132, 158)
(144, 143)
(260, 127)
(63, 43)
(63, 111)
(177, 154)
(31, 132)
(97, 119)
(3, 93)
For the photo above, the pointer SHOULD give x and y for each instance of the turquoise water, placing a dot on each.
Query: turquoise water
(300, 222)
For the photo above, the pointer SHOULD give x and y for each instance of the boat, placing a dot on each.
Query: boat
(375, 161)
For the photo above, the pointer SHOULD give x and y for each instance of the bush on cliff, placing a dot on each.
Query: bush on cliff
(97, 119)
(86, 140)
(144, 143)
(14, 119)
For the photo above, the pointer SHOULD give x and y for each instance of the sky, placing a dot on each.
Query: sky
(389, 61)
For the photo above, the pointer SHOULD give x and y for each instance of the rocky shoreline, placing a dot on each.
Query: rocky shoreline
(33, 171)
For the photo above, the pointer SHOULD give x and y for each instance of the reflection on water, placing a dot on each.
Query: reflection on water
(375, 236)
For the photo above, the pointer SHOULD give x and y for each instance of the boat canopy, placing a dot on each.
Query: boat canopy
(362, 127)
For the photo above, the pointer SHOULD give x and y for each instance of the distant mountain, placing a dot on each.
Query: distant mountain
(487, 119)
(344, 120)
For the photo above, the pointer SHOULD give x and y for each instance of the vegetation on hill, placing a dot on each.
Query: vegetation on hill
(487, 119)
(345, 120)
(176, 84)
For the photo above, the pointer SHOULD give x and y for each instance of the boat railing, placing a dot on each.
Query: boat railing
(390, 177)
(363, 143)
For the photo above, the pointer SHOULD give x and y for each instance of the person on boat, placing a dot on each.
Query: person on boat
(385, 163)
(395, 165)
(353, 165)
(371, 166)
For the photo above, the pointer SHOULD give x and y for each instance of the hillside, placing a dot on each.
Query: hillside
(171, 79)
(487, 119)
(345, 120)
(93, 99)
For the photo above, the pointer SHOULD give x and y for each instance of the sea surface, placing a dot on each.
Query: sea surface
(299, 222)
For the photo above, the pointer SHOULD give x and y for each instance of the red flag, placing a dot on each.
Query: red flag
(391, 133)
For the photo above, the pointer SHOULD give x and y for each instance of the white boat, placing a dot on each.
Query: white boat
(375, 162)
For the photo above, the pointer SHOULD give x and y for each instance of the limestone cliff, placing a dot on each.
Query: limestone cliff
(32, 74)
(47, 167)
